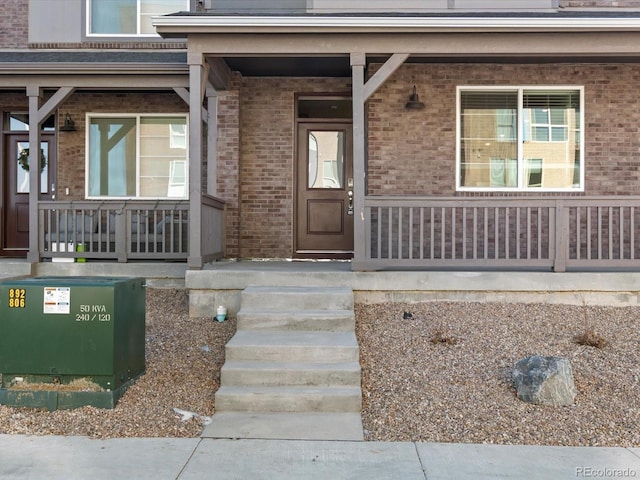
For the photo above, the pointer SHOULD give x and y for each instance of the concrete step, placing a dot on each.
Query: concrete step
(237, 373)
(286, 426)
(282, 346)
(324, 320)
(297, 298)
(288, 399)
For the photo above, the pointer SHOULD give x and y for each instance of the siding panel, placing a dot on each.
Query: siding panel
(67, 27)
(257, 6)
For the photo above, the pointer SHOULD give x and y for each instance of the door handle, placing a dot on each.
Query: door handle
(350, 207)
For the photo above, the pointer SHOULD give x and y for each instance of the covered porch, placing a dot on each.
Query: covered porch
(585, 229)
(50, 214)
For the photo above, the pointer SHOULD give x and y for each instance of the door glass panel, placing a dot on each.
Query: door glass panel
(22, 172)
(326, 159)
(325, 108)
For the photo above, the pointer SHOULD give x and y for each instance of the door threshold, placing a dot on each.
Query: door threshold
(323, 255)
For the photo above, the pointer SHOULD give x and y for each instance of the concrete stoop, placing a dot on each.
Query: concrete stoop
(292, 369)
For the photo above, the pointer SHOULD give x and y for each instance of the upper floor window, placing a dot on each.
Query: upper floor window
(520, 138)
(128, 17)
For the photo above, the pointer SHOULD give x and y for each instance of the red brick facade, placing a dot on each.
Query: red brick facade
(409, 152)
(228, 157)
(14, 24)
(413, 152)
(267, 161)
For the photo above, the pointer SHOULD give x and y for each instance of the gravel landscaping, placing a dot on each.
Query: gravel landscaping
(444, 375)
(439, 373)
(183, 360)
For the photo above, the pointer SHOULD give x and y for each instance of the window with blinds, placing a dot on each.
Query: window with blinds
(519, 139)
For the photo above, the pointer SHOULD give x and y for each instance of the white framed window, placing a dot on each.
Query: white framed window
(134, 156)
(520, 138)
(113, 18)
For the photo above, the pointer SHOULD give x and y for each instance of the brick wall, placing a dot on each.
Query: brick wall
(229, 163)
(267, 162)
(13, 24)
(413, 152)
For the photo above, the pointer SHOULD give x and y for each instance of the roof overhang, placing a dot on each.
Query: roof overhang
(181, 25)
(94, 70)
(320, 45)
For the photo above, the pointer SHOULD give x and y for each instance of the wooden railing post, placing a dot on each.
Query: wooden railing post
(123, 234)
(561, 236)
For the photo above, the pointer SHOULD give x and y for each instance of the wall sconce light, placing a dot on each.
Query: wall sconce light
(69, 125)
(414, 102)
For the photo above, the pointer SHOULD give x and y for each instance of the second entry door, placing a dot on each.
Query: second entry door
(324, 220)
(15, 234)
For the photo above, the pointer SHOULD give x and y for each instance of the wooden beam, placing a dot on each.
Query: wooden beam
(34, 93)
(56, 99)
(183, 93)
(391, 65)
(515, 46)
(99, 82)
(358, 63)
(194, 259)
(219, 74)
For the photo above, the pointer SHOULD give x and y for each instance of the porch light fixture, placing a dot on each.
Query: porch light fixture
(414, 102)
(69, 125)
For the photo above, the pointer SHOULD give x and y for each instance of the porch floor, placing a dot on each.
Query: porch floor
(157, 274)
(220, 283)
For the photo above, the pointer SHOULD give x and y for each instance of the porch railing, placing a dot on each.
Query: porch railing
(212, 228)
(556, 233)
(111, 230)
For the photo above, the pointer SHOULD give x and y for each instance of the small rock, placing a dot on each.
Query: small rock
(545, 381)
(407, 315)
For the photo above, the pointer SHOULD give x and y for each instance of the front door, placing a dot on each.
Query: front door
(324, 219)
(15, 174)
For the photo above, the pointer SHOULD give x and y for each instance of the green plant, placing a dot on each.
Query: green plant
(23, 159)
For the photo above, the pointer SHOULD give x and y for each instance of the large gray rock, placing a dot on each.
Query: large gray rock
(545, 381)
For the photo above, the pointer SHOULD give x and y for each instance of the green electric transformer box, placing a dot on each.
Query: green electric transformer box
(55, 330)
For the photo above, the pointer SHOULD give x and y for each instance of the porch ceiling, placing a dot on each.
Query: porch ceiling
(297, 66)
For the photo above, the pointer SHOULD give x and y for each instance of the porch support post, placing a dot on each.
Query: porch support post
(358, 62)
(34, 92)
(212, 141)
(37, 115)
(361, 93)
(197, 80)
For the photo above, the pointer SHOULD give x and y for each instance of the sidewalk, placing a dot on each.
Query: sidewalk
(79, 458)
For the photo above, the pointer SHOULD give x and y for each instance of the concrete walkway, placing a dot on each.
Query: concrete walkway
(79, 458)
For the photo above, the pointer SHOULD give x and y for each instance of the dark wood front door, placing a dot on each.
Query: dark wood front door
(324, 191)
(15, 187)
